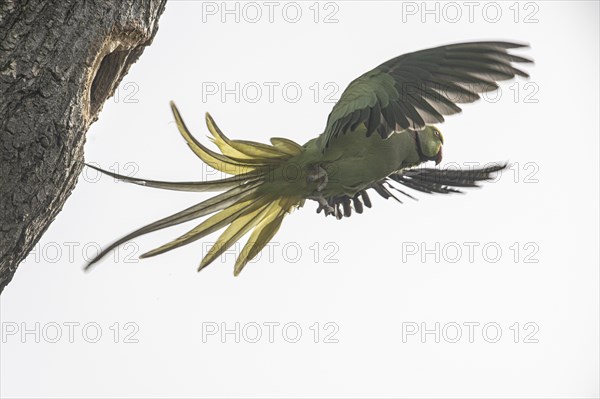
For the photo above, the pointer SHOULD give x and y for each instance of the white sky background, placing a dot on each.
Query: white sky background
(363, 278)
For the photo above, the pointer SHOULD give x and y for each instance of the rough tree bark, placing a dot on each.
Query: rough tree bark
(59, 62)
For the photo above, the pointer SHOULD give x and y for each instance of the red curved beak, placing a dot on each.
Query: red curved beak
(438, 157)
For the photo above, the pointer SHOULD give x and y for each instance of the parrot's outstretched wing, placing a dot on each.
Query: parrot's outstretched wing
(426, 180)
(419, 88)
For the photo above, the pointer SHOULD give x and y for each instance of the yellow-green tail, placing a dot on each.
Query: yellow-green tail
(244, 207)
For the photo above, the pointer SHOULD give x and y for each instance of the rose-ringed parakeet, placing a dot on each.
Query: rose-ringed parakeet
(377, 134)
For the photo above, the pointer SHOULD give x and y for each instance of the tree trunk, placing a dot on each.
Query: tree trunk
(59, 62)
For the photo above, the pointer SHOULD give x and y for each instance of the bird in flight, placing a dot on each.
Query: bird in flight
(376, 136)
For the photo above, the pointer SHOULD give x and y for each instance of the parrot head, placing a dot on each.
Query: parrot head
(430, 143)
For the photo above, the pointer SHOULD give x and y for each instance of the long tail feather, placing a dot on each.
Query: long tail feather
(286, 146)
(211, 158)
(195, 186)
(204, 208)
(210, 225)
(262, 234)
(242, 150)
(245, 206)
(234, 232)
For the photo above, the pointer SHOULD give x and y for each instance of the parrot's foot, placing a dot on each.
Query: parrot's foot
(323, 205)
(318, 175)
(341, 205)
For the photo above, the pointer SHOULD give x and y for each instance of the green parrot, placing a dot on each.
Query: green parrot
(376, 134)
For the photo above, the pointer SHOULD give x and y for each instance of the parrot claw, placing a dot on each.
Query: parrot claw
(341, 206)
(323, 205)
(318, 175)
